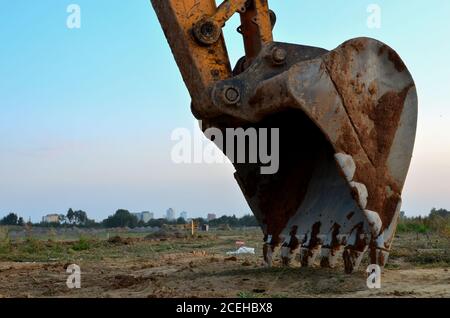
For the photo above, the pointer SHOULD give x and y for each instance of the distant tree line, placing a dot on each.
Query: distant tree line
(123, 218)
(233, 221)
(438, 221)
(12, 219)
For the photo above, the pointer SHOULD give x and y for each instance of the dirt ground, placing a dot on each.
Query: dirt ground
(199, 267)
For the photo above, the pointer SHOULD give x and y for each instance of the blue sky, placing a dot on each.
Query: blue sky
(86, 115)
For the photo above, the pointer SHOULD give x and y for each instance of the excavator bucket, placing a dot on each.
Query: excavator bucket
(346, 120)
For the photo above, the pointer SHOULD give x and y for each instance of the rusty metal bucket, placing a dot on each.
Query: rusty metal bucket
(347, 121)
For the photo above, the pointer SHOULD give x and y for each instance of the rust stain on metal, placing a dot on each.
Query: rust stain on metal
(334, 246)
(292, 244)
(393, 57)
(314, 243)
(352, 252)
(386, 117)
(375, 122)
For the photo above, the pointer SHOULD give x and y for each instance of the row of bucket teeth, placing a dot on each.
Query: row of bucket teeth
(327, 257)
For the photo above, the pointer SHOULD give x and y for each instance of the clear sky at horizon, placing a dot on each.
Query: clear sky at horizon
(86, 114)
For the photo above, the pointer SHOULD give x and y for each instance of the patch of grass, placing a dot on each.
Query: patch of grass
(244, 294)
(31, 246)
(423, 251)
(430, 258)
(446, 232)
(5, 243)
(279, 296)
(4, 248)
(392, 266)
(82, 245)
(411, 227)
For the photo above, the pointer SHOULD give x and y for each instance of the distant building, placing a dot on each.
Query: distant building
(211, 216)
(184, 215)
(170, 214)
(50, 218)
(144, 216)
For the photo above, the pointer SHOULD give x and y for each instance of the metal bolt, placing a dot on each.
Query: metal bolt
(207, 31)
(279, 56)
(231, 95)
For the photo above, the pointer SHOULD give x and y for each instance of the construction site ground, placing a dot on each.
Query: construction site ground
(183, 266)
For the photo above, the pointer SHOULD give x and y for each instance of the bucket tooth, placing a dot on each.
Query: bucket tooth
(330, 256)
(289, 246)
(379, 253)
(312, 247)
(374, 221)
(303, 256)
(325, 257)
(333, 247)
(352, 259)
(380, 247)
(309, 255)
(379, 256)
(354, 251)
(346, 164)
(286, 256)
(268, 250)
(361, 191)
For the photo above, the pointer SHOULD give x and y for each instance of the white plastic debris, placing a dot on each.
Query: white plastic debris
(242, 250)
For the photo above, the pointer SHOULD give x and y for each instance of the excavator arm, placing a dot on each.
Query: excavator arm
(194, 31)
(347, 121)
